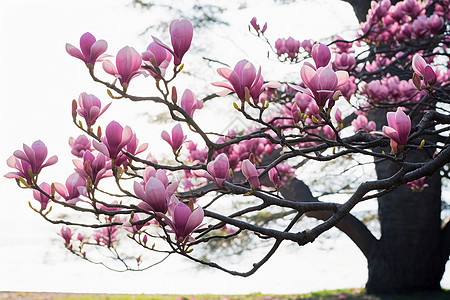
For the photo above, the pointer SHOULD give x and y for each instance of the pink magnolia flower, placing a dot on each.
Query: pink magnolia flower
(43, 199)
(435, 23)
(93, 167)
(177, 138)
(313, 110)
(342, 46)
(344, 62)
(116, 137)
(106, 235)
(291, 47)
(91, 49)
(132, 148)
(422, 69)
(227, 230)
(250, 172)
(90, 108)
(80, 237)
(321, 55)
(417, 185)
(30, 158)
(80, 145)
(66, 234)
(280, 46)
(322, 83)
(195, 153)
(128, 64)
(181, 32)
(328, 132)
(23, 168)
(294, 111)
(303, 101)
(157, 57)
(75, 187)
(274, 177)
(348, 89)
(243, 76)
(398, 129)
(156, 194)
(307, 45)
(381, 9)
(218, 170)
(411, 8)
(128, 226)
(361, 123)
(185, 221)
(189, 102)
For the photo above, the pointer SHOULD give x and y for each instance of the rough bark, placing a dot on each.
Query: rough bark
(408, 257)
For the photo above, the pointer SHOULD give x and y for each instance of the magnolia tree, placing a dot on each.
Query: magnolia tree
(395, 72)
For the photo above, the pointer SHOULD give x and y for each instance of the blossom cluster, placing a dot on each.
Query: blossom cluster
(306, 116)
(401, 22)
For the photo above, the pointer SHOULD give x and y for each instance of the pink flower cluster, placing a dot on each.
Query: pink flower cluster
(320, 79)
(391, 89)
(289, 47)
(129, 63)
(402, 22)
(361, 123)
(232, 157)
(157, 195)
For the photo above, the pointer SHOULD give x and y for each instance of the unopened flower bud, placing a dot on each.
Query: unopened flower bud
(416, 81)
(264, 28)
(74, 109)
(99, 132)
(174, 95)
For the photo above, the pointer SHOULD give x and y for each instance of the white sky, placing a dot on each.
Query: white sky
(38, 80)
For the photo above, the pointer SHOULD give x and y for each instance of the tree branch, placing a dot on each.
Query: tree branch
(298, 191)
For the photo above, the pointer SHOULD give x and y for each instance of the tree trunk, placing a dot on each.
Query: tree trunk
(408, 257)
(412, 251)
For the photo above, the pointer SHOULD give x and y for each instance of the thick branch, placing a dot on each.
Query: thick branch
(350, 225)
